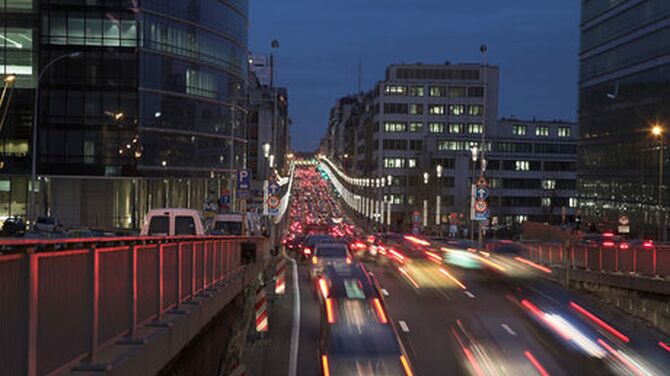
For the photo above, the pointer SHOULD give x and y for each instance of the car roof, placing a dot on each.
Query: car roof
(340, 274)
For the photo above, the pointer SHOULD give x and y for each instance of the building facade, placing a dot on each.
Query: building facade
(424, 116)
(147, 111)
(624, 92)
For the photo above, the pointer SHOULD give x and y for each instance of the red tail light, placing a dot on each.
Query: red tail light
(608, 234)
(648, 244)
(307, 251)
(608, 244)
(624, 246)
(380, 311)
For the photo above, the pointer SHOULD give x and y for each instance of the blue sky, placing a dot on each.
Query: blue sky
(535, 43)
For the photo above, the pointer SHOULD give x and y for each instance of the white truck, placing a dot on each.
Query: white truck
(247, 224)
(173, 222)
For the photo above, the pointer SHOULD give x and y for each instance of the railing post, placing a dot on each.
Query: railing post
(179, 276)
(160, 283)
(616, 260)
(193, 270)
(635, 261)
(654, 262)
(94, 257)
(33, 306)
(133, 285)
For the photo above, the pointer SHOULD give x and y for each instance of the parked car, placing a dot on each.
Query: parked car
(173, 222)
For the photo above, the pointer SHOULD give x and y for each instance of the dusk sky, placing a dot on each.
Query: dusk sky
(535, 43)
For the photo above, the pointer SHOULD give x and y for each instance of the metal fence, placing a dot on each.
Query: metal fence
(651, 262)
(58, 308)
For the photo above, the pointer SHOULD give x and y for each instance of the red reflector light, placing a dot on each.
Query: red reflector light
(324, 365)
(608, 234)
(405, 365)
(330, 314)
(380, 310)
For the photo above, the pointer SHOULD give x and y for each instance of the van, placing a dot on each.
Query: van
(173, 222)
(246, 224)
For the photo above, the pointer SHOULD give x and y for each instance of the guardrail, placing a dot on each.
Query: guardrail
(650, 262)
(59, 307)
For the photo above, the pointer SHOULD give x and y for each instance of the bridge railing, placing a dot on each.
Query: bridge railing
(58, 307)
(651, 262)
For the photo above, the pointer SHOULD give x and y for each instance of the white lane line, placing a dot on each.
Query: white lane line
(403, 326)
(295, 330)
(508, 329)
(468, 293)
(385, 292)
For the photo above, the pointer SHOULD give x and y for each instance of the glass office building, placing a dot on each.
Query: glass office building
(624, 92)
(149, 114)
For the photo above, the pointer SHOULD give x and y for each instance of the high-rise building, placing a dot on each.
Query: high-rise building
(624, 92)
(424, 116)
(141, 105)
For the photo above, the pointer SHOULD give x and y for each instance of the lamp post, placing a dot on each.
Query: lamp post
(389, 182)
(657, 131)
(438, 198)
(426, 178)
(474, 150)
(33, 167)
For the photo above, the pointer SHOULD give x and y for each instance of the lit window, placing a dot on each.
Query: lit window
(520, 218)
(395, 90)
(572, 202)
(436, 127)
(455, 128)
(549, 184)
(522, 165)
(395, 127)
(450, 145)
(494, 183)
(456, 109)
(436, 91)
(415, 127)
(415, 109)
(436, 109)
(17, 56)
(564, 132)
(394, 162)
(519, 130)
(546, 201)
(411, 162)
(416, 91)
(542, 131)
(476, 128)
(476, 110)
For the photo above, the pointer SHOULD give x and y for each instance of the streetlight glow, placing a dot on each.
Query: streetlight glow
(266, 150)
(438, 170)
(426, 176)
(657, 130)
(475, 151)
(10, 78)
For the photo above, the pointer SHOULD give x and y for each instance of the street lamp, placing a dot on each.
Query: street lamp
(266, 150)
(426, 177)
(474, 150)
(33, 168)
(657, 131)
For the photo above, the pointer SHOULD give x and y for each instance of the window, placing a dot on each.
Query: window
(184, 225)
(416, 91)
(437, 91)
(520, 218)
(494, 183)
(572, 202)
(456, 109)
(519, 129)
(395, 144)
(564, 131)
(411, 162)
(546, 201)
(395, 90)
(522, 165)
(541, 131)
(394, 199)
(415, 127)
(450, 145)
(159, 226)
(395, 127)
(476, 128)
(475, 92)
(411, 199)
(394, 162)
(395, 108)
(416, 109)
(17, 51)
(436, 127)
(436, 109)
(415, 144)
(476, 110)
(456, 91)
(549, 184)
(456, 128)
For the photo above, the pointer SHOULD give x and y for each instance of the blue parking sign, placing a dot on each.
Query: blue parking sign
(243, 180)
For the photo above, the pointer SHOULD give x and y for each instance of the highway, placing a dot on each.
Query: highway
(466, 313)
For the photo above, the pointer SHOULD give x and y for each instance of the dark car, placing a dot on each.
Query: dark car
(357, 336)
(311, 240)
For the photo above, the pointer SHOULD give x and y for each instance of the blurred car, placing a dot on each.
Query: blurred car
(357, 337)
(328, 254)
(310, 241)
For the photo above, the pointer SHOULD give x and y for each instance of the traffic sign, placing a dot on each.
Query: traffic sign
(273, 202)
(243, 180)
(482, 216)
(481, 206)
(624, 220)
(482, 181)
(274, 189)
(481, 192)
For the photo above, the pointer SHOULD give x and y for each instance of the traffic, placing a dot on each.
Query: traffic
(402, 304)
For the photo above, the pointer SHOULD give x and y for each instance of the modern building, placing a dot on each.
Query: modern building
(424, 116)
(141, 105)
(624, 92)
(342, 126)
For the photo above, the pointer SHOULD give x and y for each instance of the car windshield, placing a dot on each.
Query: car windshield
(312, 240)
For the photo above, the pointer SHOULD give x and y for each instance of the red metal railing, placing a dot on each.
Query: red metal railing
(651, 262)
(59, 307)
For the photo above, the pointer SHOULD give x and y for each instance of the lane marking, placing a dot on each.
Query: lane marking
(295, 330)
(403, 326)
(508, 329)
(385, 292)
(468, 293)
